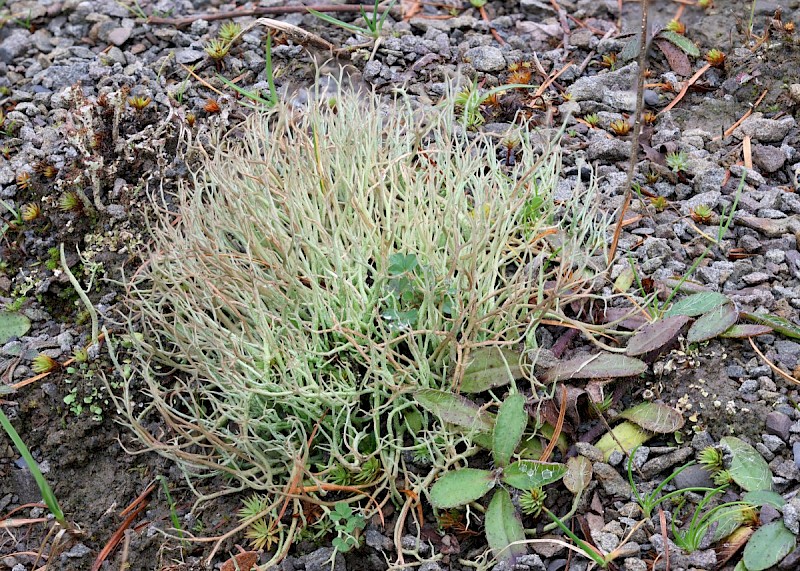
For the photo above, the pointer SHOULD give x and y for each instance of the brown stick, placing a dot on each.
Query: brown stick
(637, 131)
(686, 87)
(261, 11)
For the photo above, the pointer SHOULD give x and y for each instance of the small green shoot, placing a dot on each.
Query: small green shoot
(272, 98)
(173, 512)
(348, 526)
(374, 23)
(692, 537)
(678, 161)
(44, 488)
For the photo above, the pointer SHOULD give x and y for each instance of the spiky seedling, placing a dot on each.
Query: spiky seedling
(45, 169)
(211, 106)
(609, 60)
(44, 364)
(217, 50)
(722, 478)
(701, 213)
(81, 355)
(676, 26)
(710, 458)
(678, 161)
(649, 118)
(532, 502)
(70, 201)
(190, 119)
(592, 119)
(228, 31)
(369, 471)
(652, 177)
(5, 150)
(139, 102)
(659, 203)
(30, 212)
(620, 127)
(715, 57)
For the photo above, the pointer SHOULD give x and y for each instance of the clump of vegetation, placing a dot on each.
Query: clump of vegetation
(327, 267)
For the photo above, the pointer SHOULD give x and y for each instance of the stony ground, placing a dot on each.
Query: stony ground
(73, 72)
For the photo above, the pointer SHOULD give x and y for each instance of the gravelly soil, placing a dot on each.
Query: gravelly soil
(66, 72)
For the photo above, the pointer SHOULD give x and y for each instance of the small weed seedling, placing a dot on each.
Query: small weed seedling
(374, 23)
(691, 538)
(348, 526)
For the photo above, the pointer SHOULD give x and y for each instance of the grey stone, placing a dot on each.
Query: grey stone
(14, 45)
(189, 56)
(589, 451)
(764, 451)
(609, 149)
(635, 564)
(620, 100)
(593, 88)
(78, 550)
(710, 199)
(320, 560)
(661, 463)
(695, 476)
(709, 179)
(756, 278)
(773, 443)
(778, 424)
(59, 76)
(119, 36)
(768, 159)
(764, 130)
(703, 559)
(790, 516)
(430, 566)
(486, 58)
(610, 479)
(376, 540)
(702, 440)
(606, 541)
(412, 543)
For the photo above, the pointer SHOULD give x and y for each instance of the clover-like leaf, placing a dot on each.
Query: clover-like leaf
(460, 487)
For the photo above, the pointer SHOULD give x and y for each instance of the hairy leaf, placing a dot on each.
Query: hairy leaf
(656, 335)
(779, 324)
(768, 545)
(682, 42)
(578, 474)
(713, 323)
(747, 467)
(676, 57)
(628, 434)
(697, 304)
(491, 367)
(455, 410)
(12, 325)
(527, 474)
(654, 417)
(503, 527)
(742, 331)
(603, 365)
(460, 487)
(763, 498)
(508, 428)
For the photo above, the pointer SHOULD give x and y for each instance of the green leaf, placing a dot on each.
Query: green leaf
(727, 519)
(763, 498)
(402, 263)
(603, 365)
(628, 434)
(767, 546)
(680, 41)
(697, 304)
(508, 428)
(654, 417)
(12, 324)
(455, 410)
(746, 330)
(527, 474)
(578, 474)
(624, 280)
(503, 527)
(460, 487)
(779, 324)
(491, 367)
(747, 467)
(656, 335)
(713, 323)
